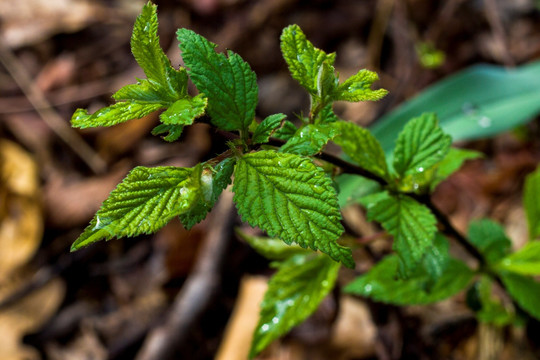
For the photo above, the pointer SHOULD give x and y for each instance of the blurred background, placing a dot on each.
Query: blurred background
(108, 300)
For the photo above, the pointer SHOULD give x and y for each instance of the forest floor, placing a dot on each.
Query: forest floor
(105, 301)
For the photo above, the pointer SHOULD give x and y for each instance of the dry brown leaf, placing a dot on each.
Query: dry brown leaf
(19, 173)
(237, 339)
(70, 202)
(20, 213)
(354, 333)
(27, 22)
(25, 316)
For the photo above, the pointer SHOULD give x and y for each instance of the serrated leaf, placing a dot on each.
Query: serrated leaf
(213, 182)
(184, 111)
(531, 202)
(489, 238)
(290, 198)
(524, 290)
(381, 284)
(361, 147)
(436, 258)
(293, 294)
(151, 58)
(310, 139)
(420, 145)
(304, 59)
(144, 91)
(268, 127)
(286, 132)
(358, 88)
(411, 223)
(174, 131)
(114, 114)
(327, 82)
(326, 115)
(272, 249)
(143, 203)
(228, 82)
(525, 261)
(451, 163)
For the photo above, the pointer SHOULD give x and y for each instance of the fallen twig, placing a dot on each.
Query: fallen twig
(48, 114)
(198, 289)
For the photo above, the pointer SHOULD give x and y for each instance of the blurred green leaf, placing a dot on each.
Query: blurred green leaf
(381, 284)
(531, 203)
(526, 261)
(293, 294)
(489, 238)
(451, 163)
(272, 249)
(478, 102)
(525, 290)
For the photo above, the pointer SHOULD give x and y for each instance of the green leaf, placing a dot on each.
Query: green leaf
(411, 223)
(213, 182)
(174, 131)
(272, 249)
(525, 290)
(184, 111)
(490, 310)
(451, 163)
(327, 82)
(293, 294)
(361, 147)
(268, 127)
(478, 102)
(151, 58)
(304, 60)
(310, 139)
(292, 199)
(436, 258)
(228, 82)
(326, 115)
(145, 91)
(420, 145)
(143, 203)
(286, 132)
(489, 238)
(114, 114)
(358, 88)
(526, 261)
(380, 283)
(531, 202)
(352, 188)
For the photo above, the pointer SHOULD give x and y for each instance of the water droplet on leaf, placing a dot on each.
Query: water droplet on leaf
(484, 122)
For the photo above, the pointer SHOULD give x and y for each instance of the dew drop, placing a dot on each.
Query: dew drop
(420, 169)
(468, 108)
(484, 122)
(275, 320)
(317, 188)
(368, 288)
(265, 327)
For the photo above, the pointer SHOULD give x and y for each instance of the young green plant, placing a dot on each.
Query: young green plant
(283, 181)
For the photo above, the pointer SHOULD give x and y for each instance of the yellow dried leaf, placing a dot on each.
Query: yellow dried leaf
(21, 225)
